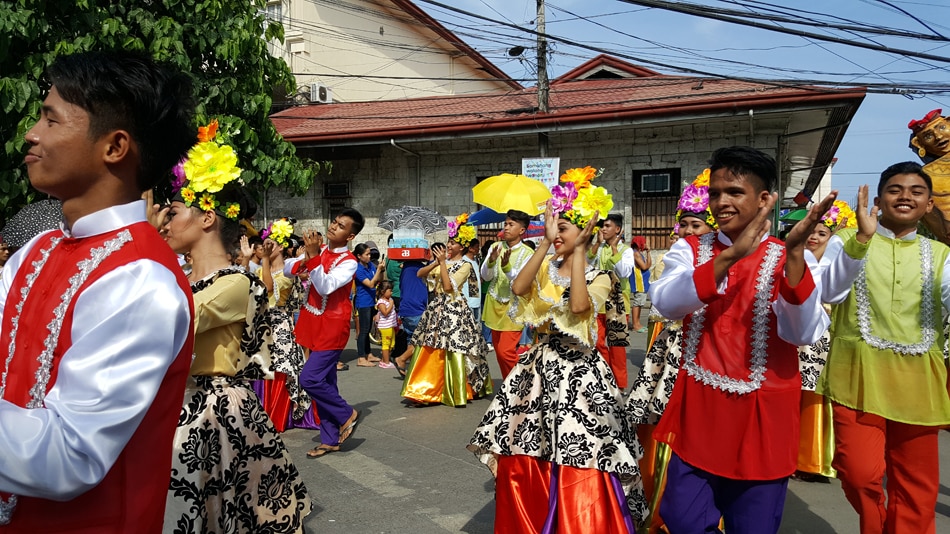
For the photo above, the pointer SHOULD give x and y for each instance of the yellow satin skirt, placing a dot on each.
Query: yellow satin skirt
(816, 445)
(438, 376)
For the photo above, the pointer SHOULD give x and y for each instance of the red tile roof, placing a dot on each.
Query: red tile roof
(571, 102)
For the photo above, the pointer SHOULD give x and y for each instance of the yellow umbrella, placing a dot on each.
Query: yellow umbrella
(511, 192)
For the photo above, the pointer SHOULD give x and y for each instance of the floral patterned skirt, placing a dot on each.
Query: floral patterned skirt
(230, 469)
(653, 386)
(561, 404)
(288, 357)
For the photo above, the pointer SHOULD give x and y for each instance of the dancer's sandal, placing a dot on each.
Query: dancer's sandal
(321, 450)
(349, 427)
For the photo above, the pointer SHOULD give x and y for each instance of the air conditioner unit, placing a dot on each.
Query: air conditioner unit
(320, 94)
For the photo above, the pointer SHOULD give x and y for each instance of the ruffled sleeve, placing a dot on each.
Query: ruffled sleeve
(583, 326)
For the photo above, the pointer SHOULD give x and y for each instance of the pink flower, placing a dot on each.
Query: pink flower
(453, 228)
(179, 172)
(695, 198)
(563, 197)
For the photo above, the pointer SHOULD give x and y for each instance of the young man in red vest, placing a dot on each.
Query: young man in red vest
(747, 301)
(97, 316)
(324, 326)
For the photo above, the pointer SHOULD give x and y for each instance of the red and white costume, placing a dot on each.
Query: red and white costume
(735, 408)
(105, 313)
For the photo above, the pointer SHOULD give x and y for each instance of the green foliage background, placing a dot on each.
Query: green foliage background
(221, 43)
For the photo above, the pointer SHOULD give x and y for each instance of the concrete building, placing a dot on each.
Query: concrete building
(650, 132)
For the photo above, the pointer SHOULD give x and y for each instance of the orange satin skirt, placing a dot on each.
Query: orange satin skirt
(533, 496)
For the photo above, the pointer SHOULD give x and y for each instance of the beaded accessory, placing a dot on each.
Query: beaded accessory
(760, 326)
(928, 319)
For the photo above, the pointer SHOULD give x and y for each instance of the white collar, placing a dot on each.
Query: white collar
(891, 235)
(724, 239)
(106, 220)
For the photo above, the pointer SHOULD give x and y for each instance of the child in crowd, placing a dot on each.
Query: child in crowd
(386, 321)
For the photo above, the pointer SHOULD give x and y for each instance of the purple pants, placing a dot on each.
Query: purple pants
(695, 500)
(318, 379)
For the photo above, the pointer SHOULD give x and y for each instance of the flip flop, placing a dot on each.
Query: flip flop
(360, 363)
(348, 428)
(321, 450)
(400, 370)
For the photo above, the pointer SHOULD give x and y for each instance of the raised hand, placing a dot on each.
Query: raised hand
(550, 223)
(312, 242)
(505, 256)
(269, 246)
(495, 251)
(584, 237)
(867, 220)
(799, 233)
(439, 254)
(748, 241)
(246, 250)
(155, 214)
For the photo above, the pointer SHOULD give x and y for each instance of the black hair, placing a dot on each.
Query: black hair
(255, 240)
(356, 217)
(616, 218)
(358, 250)
(486, 246)
(531, 244)
(382, 286)
(130, 91)
(519, 217)
(746, 161)
(905, 167)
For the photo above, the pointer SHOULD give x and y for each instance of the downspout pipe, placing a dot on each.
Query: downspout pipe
(418, 169)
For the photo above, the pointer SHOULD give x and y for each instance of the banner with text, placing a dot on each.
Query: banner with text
(545, 170)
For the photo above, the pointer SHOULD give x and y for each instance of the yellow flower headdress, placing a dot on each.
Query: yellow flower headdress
(279, 231)
(840, 215)
(460, 231)
(577, 200)
(207, 169)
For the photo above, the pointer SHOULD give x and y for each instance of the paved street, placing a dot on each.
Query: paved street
(406, 470)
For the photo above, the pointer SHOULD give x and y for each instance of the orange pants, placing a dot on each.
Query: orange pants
(868, 447)
(506, 349)
(616, 356)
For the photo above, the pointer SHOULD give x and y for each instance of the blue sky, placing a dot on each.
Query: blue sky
(878, 134)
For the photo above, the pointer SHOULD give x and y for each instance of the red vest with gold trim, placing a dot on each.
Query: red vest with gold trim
(131, 497)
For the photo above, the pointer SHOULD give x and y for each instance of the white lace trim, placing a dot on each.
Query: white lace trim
(927, 317)
(323, 300)
(45, 358)
(760, 326)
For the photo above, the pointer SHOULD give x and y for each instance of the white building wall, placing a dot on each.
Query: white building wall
(326, 37)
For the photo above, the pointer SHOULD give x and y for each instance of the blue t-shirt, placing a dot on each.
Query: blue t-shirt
(415, 296)
(365, 296)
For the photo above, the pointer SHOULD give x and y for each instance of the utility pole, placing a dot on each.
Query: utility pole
(542, 75)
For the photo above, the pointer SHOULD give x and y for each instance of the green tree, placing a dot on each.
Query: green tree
(222, 43)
